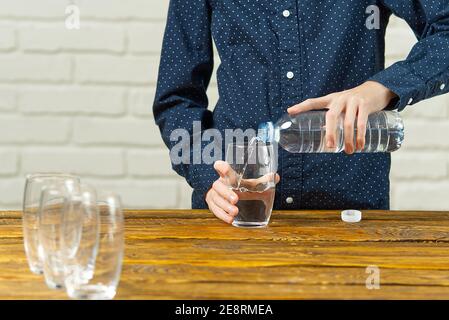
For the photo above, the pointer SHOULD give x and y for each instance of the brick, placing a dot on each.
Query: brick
(53, 37)
(185, 201)
(98, 162)
(148, 194)
(7, 99)
(394, 21)
(25, 9)
(34, 68)
(399, 40)
(15, 129)
(140, 102)
(422, 196)
(150, 163)
(7, 38)
(119, 9)
(106, 69)
(11, 190)
(8, 162)
(213, 79)
(426, 135)
(146, 38)
(116, 132)
(407, 165)
(212, 95)
(98, 9)
(73, 100)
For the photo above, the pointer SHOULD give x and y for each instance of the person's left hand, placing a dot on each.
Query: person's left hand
(358, 102)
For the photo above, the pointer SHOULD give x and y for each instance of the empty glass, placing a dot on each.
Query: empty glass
(81, 232)
(253, 178)
(54, 204)
(31, 201)
(102, 283)
(68, 231)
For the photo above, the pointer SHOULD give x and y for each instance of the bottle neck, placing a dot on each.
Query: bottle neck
(267, 132)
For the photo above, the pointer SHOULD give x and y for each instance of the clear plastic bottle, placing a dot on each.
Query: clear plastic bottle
(305, 132)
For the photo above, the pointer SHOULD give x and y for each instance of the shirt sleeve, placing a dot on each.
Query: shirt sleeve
(185, 70)
(425, 71)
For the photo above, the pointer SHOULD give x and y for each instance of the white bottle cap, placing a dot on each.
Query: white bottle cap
(351, 216)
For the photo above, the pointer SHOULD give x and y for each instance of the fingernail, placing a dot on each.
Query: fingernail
(233, 198)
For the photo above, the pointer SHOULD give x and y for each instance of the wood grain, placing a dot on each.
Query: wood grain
(189, 254)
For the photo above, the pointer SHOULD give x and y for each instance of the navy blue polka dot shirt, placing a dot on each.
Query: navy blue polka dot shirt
(277, 53)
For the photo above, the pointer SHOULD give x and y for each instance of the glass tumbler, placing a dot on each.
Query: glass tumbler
(54, 205)
(103, 282)
(253, 178)
(31, 202)
(81, 225)
(68, 229)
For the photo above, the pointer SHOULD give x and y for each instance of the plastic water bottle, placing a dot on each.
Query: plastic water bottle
(305, 132)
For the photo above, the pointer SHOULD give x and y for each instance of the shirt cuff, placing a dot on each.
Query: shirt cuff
(408, 87)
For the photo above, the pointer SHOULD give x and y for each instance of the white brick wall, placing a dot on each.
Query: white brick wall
(80, 101)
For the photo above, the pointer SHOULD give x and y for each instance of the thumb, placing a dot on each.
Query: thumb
(227, 174)
(222, 168)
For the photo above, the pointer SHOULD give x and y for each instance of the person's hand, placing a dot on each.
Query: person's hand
(222, 200)
(358, 102)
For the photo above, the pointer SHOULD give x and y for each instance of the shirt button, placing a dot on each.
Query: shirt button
(442, 86)
(410, 101)
(286, 13)
(290, 75)
(289, 200)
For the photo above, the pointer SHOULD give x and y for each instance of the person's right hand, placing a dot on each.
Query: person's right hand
(220, 198)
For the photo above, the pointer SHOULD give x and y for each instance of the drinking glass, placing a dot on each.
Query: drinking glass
(68, 231)
(253, 178)
(54, 204)
(31, 201)
(81, 232)
(103, 282)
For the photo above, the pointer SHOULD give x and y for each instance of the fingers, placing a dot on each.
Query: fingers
(332, 119)
(221, 201)
(261, 183)
(358, 102)
(311, 104)
(277, 178)
(348, 125)
(223, 190)
(220, 213)
(224, 205)
(220, 207)
(362, 119)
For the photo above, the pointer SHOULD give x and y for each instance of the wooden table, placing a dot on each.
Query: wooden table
(301, 255)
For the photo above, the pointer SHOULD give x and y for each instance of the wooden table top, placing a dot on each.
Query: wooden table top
(301, 255)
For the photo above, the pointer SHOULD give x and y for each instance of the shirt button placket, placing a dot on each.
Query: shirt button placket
(289, 51)
(289, 59)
